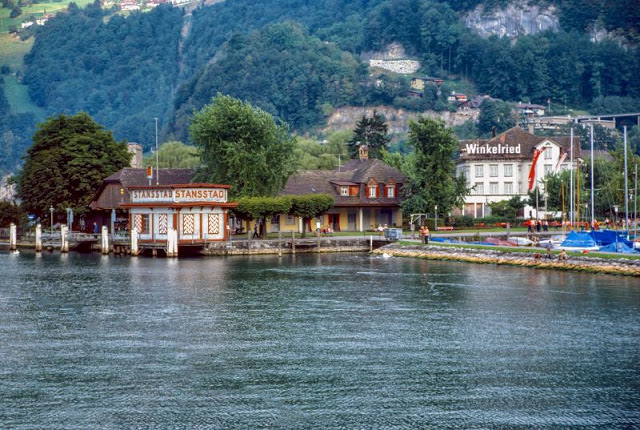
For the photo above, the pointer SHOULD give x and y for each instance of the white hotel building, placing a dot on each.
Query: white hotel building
(498, 168)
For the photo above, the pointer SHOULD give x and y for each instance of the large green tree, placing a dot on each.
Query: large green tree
(433, 181)
(309, 206)
(174, 155)
(370, 131)
(70, 157)
(242, 146)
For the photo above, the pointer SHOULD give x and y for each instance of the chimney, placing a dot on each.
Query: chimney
(363, 151)
(493, 131)
(136, 155)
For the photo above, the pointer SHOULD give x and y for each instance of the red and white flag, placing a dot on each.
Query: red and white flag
(532, 171)
(561, 158)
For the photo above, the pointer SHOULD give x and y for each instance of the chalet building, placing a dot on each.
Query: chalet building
(115, 191)
(366, 193)
(154, 203)
(500, 168)
(198, 213)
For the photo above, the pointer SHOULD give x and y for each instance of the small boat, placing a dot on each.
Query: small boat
(520, 241)
(553, 241)
(579, 242)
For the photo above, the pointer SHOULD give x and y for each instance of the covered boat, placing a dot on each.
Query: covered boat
(579, 241)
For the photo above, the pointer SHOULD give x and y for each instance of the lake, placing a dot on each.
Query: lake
(313, 341)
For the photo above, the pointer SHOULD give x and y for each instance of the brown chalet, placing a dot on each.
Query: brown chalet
(366, 193)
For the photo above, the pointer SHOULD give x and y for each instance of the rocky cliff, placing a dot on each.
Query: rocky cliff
(517, 19)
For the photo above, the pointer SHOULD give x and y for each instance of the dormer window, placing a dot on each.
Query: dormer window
(373, 191)
(391, 191)
(344, 191)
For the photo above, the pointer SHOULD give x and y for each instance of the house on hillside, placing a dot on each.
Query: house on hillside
(366, 193)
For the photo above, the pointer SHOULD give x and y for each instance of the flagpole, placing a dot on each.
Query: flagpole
(571, 214)
(593, 217)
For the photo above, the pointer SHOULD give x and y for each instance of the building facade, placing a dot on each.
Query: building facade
(366, 193)
(499, 168)
(198, 212)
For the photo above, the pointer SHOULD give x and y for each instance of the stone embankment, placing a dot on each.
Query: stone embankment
(582, 262)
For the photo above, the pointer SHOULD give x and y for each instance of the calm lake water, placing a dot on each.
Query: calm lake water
(313, 341)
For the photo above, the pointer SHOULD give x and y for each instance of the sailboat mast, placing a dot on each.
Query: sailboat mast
(593, 217)
(626, 186)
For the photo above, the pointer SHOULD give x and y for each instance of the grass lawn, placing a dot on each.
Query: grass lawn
(13, 50)
(35, 10)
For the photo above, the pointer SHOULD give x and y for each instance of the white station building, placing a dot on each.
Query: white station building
(198, 212)
(498, 168)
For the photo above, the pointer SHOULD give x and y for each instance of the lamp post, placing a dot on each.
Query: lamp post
(615, 223)
(436, 208)
(51, 226)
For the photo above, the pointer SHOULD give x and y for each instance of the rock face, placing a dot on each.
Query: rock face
(517, 19)
(397, 119)
(7, 192)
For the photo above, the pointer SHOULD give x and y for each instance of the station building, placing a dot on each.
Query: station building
(197, 211)
(499, 168)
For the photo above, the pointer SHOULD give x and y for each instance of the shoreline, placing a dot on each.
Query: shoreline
(581, 263)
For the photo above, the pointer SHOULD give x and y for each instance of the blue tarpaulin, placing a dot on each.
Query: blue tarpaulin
(617, 247)
(578, 240)
(606, 237)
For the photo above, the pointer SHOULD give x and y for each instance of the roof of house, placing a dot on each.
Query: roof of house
(513, 137)
(130, 177)
(354, 173)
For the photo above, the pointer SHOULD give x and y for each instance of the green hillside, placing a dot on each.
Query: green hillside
(302, 60)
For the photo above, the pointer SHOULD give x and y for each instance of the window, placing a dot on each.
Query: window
(508, 188)
(275, 220)
(547, 169)
(141, 223)
(479, 188)
(493, 188)
(508, 170)
(372, 191)
(548, 153)
(493, 170)
(479, 171)
(290, 220)
(344, 190)
(391, 191)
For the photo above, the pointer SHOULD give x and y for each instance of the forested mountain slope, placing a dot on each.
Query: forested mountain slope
(299, 59)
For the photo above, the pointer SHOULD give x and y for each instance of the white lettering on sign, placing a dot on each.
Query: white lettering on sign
(181, 195)
(474, 148)
(201, 194)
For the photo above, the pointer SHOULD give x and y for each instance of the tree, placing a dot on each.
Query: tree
(175, 155)
(70, 157)
(309, 206)
(261, 208)
(371, 132)
(10, 212)
(495, 115)
(507, 208)
(433, 181)
(242, 146)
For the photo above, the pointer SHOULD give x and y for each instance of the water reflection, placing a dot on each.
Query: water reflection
(318, 341)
